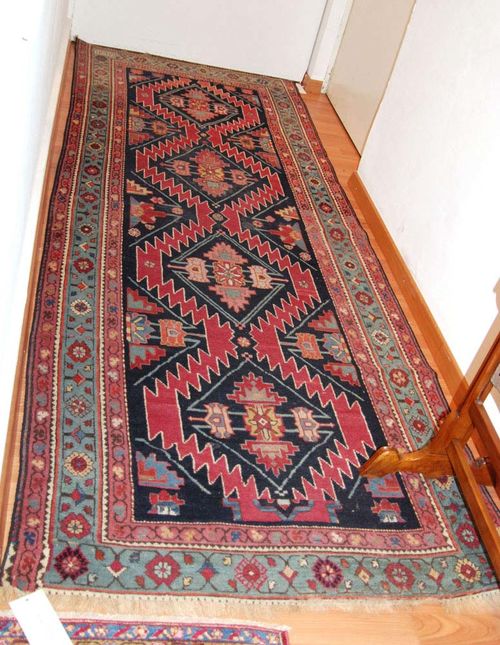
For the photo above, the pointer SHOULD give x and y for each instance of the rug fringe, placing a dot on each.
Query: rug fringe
(84, 603)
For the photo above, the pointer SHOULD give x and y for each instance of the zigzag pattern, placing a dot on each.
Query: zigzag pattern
(327, 471)
(357, 438)
(217, 90)
(164, 148)
(254, 200)
(250, 118)
(217, 468)
(263, 247)
(219, 342)
(145, 95)
(189, 134)
(161, 403)
(220, 349)
(149, 260)
(269, 349)
(247, 161)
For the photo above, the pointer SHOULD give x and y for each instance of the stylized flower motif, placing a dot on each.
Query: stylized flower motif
(413, 540)
(336, 234)
(91, 170)
(467, 535)
(98, 124)
(86, 229)
(239, 177)
(38, 463)
(419, 426)
(71, 563)
(178, 101)
(354, 539)
(326, 208)
(327, 573)
(399, 377)
(172, 333)
(380, 337)
(181, 167)
(118, 472)
(400, 576)
(78, 406)
(211, 173)
(228, 273)
(364, 298)
(75, 526)
(467, 570)
(83, 265)
(141, 631)
(43, 368)
(199, 105)
(78, 464)
(251, 573)
(79, 351)
(219, 108)
(88, 197)
(80, 307)
(26, 563)
(265, 140)
(246, 141)
(163, 570)
(308, 346)
(160, 128)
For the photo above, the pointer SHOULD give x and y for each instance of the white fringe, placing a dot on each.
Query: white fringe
(84, 603)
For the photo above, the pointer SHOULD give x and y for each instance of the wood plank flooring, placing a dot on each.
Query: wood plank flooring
(425, 623)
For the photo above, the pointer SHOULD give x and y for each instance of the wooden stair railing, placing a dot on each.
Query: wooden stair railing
(445, 454)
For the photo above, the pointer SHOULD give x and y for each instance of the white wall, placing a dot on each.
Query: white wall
(33, 40)
(328, 40)
(432, 164)
(273, 37)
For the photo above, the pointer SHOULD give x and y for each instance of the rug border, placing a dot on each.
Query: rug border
(46, 217)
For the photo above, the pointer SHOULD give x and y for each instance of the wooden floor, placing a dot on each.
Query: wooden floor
(425, 623)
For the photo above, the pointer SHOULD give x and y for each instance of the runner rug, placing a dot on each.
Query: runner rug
(94, 631)
(214, 352)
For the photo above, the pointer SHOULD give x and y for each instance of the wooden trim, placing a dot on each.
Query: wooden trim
(490, 440)
(472, 493)
(11, 454)
(442, 358)
(311, 85)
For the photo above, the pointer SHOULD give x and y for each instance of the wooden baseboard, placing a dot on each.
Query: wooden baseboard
(11, 454)
(311, 85)
(440, 354)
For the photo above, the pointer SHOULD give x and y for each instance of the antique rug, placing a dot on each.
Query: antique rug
(97, 631)
(214, 352)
